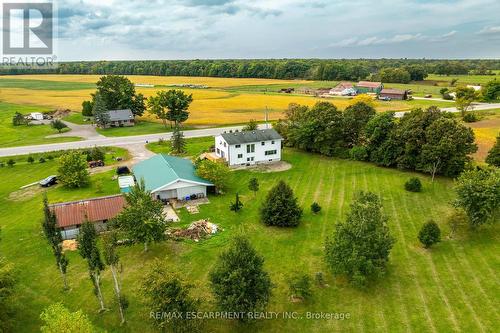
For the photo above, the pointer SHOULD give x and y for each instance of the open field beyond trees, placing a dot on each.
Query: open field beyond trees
(453, 287)
(227, 100)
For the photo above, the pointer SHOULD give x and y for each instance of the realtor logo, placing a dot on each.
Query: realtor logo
(27, 28)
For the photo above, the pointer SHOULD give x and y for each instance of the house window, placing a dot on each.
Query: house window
(224, 144)
(262, 143)
(240, 155)
(270, 152)
(218, 151)
(250, 159)
(238, 146)
(272, 142)
(251, 148)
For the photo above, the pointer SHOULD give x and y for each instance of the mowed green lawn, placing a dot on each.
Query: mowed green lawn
(453, 287)
(25, 135)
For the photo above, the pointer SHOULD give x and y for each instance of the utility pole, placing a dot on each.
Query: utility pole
(266, 119)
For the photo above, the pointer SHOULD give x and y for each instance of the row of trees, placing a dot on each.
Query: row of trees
(430, 141)
(315, 69)
(141, 221)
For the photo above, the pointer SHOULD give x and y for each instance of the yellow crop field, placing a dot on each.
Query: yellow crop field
(160, 80)
(486, 132)
(210, 107)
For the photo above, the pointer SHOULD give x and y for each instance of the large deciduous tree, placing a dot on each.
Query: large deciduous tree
(142, 219)
(54, 238)
(447, 148)
(118, 92)
(281, 207)
(238, 280)
(72, 170)
(87, 246)
(171, 105)
(215, 172)
(359, 247)
(355, 119)
(478, 194)
(167, 293)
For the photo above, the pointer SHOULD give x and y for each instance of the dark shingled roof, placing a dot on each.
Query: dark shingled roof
(117, 115)
(237, 138)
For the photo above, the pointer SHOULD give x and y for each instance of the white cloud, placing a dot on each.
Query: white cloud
(490, 31)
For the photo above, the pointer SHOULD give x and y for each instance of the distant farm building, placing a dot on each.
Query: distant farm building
(393, 94)
(120, 118)
(36, 115)
(343, 89)
(369, 87)
(71, 215)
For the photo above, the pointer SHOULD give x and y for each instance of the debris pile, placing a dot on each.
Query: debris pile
(193, 209)
(69, 245)
(196, 230)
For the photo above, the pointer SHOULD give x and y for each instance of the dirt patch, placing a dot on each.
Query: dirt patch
(271, 167)
(26, 193)
(487, 123)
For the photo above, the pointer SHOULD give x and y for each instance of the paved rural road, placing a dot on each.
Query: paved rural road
(122, 141)
(477, 106)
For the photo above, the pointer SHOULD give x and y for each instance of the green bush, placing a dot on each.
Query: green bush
(413, 185)
(30, 159)
(358, 153)
(11, 162)
(281, 207)
(315, 208)
(41, 160)
(300, 286)
(470, 117)
(429, 234)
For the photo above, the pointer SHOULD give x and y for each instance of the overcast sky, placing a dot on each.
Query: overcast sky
(188, 29)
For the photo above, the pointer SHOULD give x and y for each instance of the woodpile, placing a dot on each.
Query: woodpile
(196, 230)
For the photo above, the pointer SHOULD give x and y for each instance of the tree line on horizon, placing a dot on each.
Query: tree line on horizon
(312, 69)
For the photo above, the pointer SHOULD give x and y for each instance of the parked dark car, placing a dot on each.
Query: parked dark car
(49, 181)
(95, 164)
(122, 170)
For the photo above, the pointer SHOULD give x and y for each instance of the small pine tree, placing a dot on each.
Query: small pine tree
(300, 286)
(253, 185)
(11, 162)
(19, 119)
(101, 115)
(315, 208)
(237, 205)
(41, 160)
(281, 207)
(493, 157)
(30, 159)
(429, 234)
(178, 141)
(413, 185)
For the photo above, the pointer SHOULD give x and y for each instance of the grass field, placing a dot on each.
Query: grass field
(24, 135)
(229, 101)
(453, 287)
(465, 79)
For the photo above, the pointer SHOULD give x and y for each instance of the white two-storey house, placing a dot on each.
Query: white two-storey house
(249, 147)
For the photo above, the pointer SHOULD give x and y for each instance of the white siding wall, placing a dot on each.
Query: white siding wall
(180, 190)
(239, 155)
